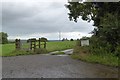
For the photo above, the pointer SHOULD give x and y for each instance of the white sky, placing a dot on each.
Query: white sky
(26, 19)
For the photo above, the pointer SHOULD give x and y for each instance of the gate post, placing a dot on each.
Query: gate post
(34, 45)
(39, 43)
(30, 44)
(17, 44)
(45, 44)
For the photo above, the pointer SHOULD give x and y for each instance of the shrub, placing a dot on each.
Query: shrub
(117, 51)
(71, 40)
(3, 38)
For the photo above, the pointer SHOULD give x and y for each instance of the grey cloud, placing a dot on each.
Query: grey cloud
(12, 12)
(36, 17)
(0, 14)
(56, 5)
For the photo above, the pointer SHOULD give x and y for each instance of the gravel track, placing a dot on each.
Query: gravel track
(53, 66)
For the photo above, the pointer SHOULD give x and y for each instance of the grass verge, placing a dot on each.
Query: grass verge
(81, 53)
(24, 52)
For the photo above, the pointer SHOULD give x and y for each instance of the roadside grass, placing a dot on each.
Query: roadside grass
(9, 49)
(105, 59)
(23, 52)
(6, 49)
(17, 53)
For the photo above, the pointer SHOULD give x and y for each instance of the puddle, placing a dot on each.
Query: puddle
(61, 55)
(55, 55)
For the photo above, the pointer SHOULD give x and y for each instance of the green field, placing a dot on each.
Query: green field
(9, 49)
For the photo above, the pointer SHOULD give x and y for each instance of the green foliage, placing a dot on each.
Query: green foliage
(3, 38)
(111, 30)
(43, 39)
(92, 10)
(106, 17)
(71, 40)
(117, 51)
(83, 53)
(100, 46)
(109, 60)
(84, 37)
(105, 43)
(64, 39)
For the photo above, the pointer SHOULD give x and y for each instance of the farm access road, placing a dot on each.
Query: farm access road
(53, 66)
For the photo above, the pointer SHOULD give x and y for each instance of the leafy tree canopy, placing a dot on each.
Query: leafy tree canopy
(3, 38)
(43, 39)
(106, 17)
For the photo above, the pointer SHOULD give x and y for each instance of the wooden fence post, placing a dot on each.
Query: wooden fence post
(17, 44)
(30, 44)
(39, 43)
(45, 44)
(20, 44)
(34, 45)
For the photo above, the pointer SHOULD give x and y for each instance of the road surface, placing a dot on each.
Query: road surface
(53, 66)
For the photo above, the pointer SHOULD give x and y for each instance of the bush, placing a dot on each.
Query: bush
(71, 40)
(3, 38)
(117, 51)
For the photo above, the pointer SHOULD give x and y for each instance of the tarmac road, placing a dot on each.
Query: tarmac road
(53, 66)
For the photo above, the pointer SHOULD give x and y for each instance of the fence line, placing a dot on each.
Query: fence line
(32, 45)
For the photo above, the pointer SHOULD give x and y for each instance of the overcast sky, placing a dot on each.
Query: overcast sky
(33, 19)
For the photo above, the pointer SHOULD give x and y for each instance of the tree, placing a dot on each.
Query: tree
(92, 10)
(106, 17)
(43, 39)
(71, 40)
(84, 37)
(63, 39)
(3, 38)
